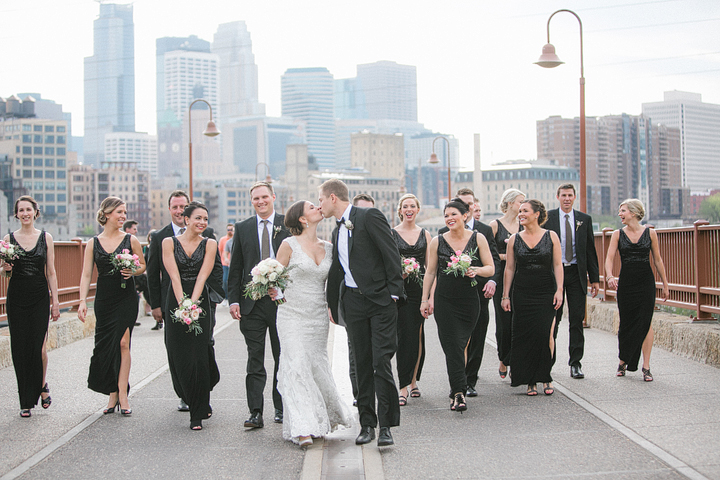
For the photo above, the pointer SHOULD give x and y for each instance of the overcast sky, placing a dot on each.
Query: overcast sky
(474, 58)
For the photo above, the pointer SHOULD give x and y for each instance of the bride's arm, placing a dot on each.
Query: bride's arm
(282, 256)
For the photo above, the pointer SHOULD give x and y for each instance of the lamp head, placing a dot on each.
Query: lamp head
(549, 59)
(211, 130)
(433, 159)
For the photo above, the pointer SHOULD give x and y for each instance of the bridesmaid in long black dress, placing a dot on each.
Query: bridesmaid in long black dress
(116, 307)
(189, 259)
(535, 274)
(412, 242)
(635, 286)
(456, 303)
(28, 304)
(503, 228)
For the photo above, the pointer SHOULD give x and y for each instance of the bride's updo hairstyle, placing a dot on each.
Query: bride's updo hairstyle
(292, 217)
(538, 207)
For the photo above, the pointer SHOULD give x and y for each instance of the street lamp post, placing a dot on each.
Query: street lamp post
(434, 160)
(268, 178)
(549, 59)
(210, 131)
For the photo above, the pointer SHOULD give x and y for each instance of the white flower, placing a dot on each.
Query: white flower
(273, 276)
(349, 225)
(465, 258)
(263, 280)
(195, 314)
(186, 303)
(263, 269)
(256, 278)
(255, 271)
(409, 269)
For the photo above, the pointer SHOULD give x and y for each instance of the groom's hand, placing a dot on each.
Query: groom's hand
(235, 311)
(331, 317)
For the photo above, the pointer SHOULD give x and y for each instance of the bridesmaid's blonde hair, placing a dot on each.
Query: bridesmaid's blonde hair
(635, 207)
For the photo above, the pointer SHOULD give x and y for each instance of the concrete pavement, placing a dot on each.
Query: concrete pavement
(598, 427)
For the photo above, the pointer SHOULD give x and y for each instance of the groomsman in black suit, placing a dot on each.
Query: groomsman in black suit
(364, 282)
(580, 262)
(256, 239)
(486, 290)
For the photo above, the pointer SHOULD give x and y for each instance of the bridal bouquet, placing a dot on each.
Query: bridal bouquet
(411, 268)
(9, 253)
(460, 263)
(266, 275)
(125, 260)
(189, 313)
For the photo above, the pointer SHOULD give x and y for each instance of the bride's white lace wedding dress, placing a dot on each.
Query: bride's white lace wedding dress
(311, 403)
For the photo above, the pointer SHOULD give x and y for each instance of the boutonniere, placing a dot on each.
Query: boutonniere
(277, 229)
(349, 225)
(578, 223)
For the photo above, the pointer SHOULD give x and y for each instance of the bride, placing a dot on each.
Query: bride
(311, 402)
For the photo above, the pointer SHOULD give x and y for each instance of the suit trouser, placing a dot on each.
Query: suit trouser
(575, 289)
(254, 326)
(372, 330)
(476, 347)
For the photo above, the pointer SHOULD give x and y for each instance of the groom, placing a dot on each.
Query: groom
(365, 281)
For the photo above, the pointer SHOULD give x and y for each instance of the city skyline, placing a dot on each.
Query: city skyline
(474, 76)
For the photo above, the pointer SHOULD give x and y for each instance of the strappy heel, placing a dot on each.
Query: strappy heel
(45, 402)
(25, 413)
(107, 411)
(621, 370)
(195, 425)
(647, 376)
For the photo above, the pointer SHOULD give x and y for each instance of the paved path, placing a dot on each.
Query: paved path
(599, 427)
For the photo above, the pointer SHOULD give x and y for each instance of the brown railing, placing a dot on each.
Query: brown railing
(692, 263)
(68, 265)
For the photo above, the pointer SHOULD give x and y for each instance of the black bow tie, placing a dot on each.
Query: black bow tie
(341, 221)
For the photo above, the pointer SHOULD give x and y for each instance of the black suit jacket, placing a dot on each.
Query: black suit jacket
(158, 278)
(246, 254)
(487, 232)
(585, 253)
(374, 260)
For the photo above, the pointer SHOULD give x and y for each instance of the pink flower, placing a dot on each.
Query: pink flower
(458, 252)
(187, 321)
(450, 264)
(406, 261)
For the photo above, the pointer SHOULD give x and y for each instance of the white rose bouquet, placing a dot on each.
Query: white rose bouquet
(189, 313)
(411, 268)
(9, 253)
(266, 275)
(125, 260)
(460, 263)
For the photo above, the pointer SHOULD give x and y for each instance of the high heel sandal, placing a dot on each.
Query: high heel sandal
(25, 413)
(112, 409)
(532, 390)
(621, 370)
(45, 402)
(548, 389)
(126, 411)
(647, 376)
(459, 403)
(196, 425)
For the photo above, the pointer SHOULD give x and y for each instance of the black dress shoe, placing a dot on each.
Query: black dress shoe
(255, 421)
(385, 437)
(182, 406)
(576, 372)
(278, 416)
(367, 434)
(158, 326)
(471, 392)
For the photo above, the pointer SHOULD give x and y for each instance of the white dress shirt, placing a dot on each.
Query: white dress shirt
(562, 234)
(343, 251)
(176, 229)
(271, 232)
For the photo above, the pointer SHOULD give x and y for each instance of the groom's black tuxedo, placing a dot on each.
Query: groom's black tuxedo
(257, 317)
(576, 278)
(369, 312)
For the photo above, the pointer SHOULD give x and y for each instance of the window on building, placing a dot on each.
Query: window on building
(37, 150)
(60, 162)
(61, 186)
(37, 128)
(49, 210)
(61, 208)
(49, 173)
(49, 138)
(37, 138)
(60, 139)
(49, 151)
(27, 162)
(49, 128)
(37, 174)
(27, 138)
(26, 128)
(27, 150)
(39, 197)
(27, 174)
(49, 197)
(38, 162)
(60, 129)
(61, 174)
(60, 151)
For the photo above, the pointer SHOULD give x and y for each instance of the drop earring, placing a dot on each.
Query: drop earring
(307, 225)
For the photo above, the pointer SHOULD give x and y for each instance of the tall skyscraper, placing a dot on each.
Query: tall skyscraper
(307, 95)
(189, 76)
(169, 126)
(389, 89)
(238, 74)
(699, 125)
(109, 79)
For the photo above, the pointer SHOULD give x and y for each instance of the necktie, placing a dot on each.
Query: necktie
(568, 240)
(265, 247)
(341, 221)
(181, 231)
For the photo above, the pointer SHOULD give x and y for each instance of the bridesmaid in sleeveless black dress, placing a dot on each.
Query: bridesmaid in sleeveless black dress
(412, 242)
(534, 273)
(456, 303)
(189, 259)
(28, 304)
(635, 286)
(116, 307)
(503, 228)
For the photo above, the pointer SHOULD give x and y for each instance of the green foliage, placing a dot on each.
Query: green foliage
(710, 209)
(88, 231)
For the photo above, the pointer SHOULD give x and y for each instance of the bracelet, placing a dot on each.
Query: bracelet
(505, 298)
(424, 301)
